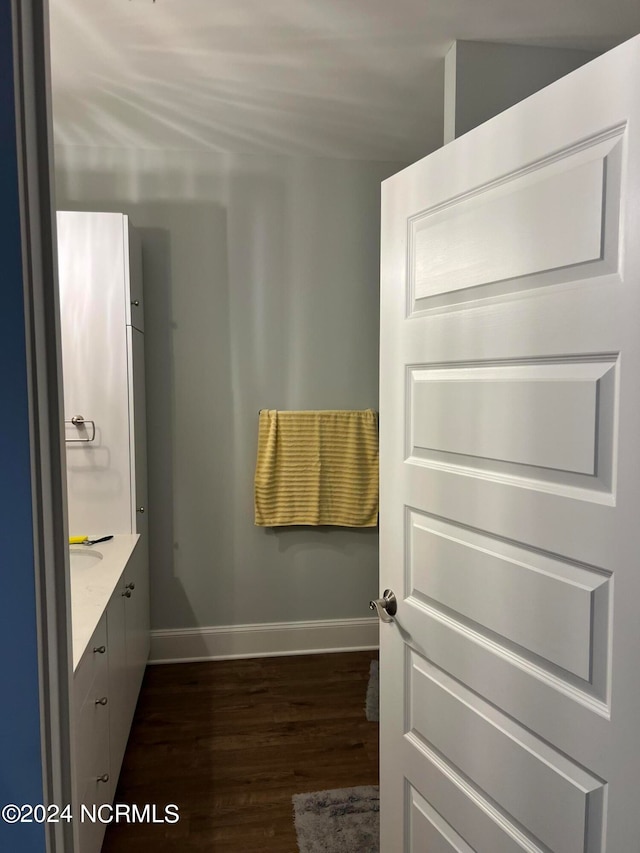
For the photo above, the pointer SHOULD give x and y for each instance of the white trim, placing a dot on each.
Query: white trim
(34, 135)
(180, 645)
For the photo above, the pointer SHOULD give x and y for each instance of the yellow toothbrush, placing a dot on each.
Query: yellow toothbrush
(84, 540)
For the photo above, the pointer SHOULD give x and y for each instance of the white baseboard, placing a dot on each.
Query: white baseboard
(180, 645)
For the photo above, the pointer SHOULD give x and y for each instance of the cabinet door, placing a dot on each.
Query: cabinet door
(94, 356)
(137, 620)
(92, 665)
(119, 718)
(133, 276)
(128, 638)
(137, 432)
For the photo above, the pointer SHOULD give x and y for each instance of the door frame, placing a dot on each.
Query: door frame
(34, 143)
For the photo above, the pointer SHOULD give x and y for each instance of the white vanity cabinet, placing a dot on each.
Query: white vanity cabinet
(106, 681)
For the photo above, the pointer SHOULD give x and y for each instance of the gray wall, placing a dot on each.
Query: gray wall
(483, 79)
(261, 291)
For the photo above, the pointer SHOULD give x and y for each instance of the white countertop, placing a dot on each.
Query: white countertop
(93, 585)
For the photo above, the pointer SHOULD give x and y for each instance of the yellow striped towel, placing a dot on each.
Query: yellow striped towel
(317, 468)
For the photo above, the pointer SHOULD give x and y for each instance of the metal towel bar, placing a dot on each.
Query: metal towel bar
(79, 422)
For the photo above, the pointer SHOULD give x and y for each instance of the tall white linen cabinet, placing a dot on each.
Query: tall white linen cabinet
(102, 325)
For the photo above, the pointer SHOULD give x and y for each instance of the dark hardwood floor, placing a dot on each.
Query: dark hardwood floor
(230, 742)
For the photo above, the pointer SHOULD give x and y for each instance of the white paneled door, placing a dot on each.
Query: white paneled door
(510, 479)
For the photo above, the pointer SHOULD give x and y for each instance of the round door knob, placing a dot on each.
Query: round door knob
(136, 302)
(386, 607)
(99, 650)
(140, 509)
(103, 778)
(130, 586)
(126, 593)
(102, 701)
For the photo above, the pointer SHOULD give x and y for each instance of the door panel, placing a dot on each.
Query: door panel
(548, 420)
(539, 789)
(553, 220)
(429, 832)
(549, 611)
(510, 478)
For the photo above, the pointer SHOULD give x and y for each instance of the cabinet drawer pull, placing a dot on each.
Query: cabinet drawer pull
(103, 778)
(102, 701)
(99, 650)
(136, 302)
(126, 593)
(140, 509)
(130, 586)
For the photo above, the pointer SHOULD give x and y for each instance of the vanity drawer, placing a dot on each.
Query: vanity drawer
(92, 763)
(92, 735)
(92, 664)
(91, 739)
(89, 833)
(93, 766)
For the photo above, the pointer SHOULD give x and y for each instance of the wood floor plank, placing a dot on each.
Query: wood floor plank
(230, 742)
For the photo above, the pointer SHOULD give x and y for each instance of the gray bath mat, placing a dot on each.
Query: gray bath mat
(344, 820)
(372, 705)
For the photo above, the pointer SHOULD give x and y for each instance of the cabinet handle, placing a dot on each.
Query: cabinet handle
(136, 302)
(140, 509)
(99, 650)
(102, 701)
(130, 586)
(103, 778)
(126, 593)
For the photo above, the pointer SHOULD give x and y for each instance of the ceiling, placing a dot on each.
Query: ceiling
(333, 78)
